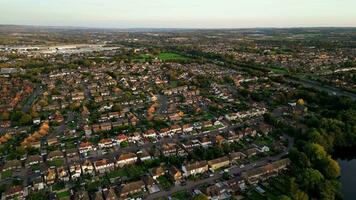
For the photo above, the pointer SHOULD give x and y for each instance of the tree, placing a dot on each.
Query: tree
(25, 119)
(328, 190)
(330, 167)
(4, 116)
(41, 195)
(299, 158)
(311, 179)
(284, 197)
(315, 152)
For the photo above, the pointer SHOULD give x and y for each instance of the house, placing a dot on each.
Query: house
(105, 126)
(103, 165)
(135, 137)
(50, 176)
(55, 155)
(195, 168)
(151, 186)
(96, 128)
(149, 134)
(126, 159)
(87, 167)
(157, 172)
(36, 121)
(52, 142)
(87, 130)
(264, 172)
(14, 192)
(12, 165)
(72, 155)
(85, 147)
(251, 152)
(218, 163)
(175, 174)
(175, 129)
(105, 143)
(62, 174)
(112, 115)
(172, 149)
(187, 128)
(164, 132)
(143, 155)
(234, 156)
(110, 194)
(81, 195)
(207, 124)
(121, 138)
(235, 184)
(33, 160)
(98, 196)
(213, 191)
(75, 171)
(36, 182)
(132, 188)
(249, 132)
(205, 142)
(190, 145)
(264, 128)
(219, 139)
(169, 149)
(232, 137)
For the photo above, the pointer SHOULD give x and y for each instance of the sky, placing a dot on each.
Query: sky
(180, 13)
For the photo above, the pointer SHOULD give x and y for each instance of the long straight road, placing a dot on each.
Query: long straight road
(326, 88)
(232, 170)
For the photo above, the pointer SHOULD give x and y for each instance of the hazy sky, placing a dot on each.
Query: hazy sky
(179, 13)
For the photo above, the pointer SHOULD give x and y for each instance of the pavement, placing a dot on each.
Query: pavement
(326, 88)
(232, 170)
(38, 91)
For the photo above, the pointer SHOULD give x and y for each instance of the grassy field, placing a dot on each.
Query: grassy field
(164, 182)
(182, 195)
(279, 70)
(142, 58)
(167, 56)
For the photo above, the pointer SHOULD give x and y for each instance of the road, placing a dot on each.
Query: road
(27, 105)
(232, 170)
(163, 101)
(62, 127)
(326, 88)
(148, 145)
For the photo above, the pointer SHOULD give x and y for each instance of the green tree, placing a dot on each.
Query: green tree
(311, 179)
(25, 119)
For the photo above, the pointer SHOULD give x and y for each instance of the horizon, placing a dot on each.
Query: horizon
(174, 28)
(184, 14)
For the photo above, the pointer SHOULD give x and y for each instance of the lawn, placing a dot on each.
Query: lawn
(63, 194)
(164, 182)
(58, 186)
(35, 167)
(167, 56)
(117, 173)
(56, 162)
(142, 58)
(182, 195)
(130, 172)
(279, 70)
(6, 174)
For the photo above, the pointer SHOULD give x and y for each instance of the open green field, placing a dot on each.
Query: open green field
(167, 56)
(279, 70)
(142, 58)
